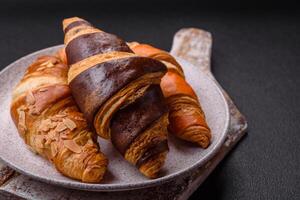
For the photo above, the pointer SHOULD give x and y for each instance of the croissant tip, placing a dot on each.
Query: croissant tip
(70, 20)
(203, 141)
(95, 173)
(132, 44)
(152, 167)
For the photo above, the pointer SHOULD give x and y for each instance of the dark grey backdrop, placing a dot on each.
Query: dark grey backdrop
(256, 58)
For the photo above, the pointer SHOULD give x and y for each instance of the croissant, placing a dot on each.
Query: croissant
(50, 123)
(119, 94)
(186, 118)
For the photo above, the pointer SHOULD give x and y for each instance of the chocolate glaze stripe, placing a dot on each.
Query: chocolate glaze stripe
(112, 75)
(134, 119)
(91, 44)
(78, 31)
(122, 98)
(173, 67)
(68, 21)
(91, 61)
(160, 55)
(165, 57)
(76, 23)
(156, 148)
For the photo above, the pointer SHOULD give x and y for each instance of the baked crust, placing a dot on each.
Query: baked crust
(186, 118)
(107, 79)
(50, 123)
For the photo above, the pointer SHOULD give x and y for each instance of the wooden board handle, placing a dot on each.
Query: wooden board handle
(193, 45)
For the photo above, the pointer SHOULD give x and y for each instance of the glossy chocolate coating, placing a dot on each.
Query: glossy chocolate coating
(76, 23)
(156, 148)
(91, 44)
(95, 85)
(131, 121)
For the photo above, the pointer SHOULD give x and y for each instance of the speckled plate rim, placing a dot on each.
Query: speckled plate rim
(127, 186)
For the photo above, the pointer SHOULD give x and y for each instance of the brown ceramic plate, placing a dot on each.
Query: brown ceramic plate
(182, 158)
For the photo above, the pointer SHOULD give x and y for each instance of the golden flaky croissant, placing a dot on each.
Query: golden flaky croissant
(186, 118)
(119, 93)
(51, 125)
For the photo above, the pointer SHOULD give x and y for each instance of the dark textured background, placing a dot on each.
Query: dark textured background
(256, 58)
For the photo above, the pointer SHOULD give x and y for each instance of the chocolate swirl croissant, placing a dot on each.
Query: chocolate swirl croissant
(49, 122)
(186, 118)
(119, 94)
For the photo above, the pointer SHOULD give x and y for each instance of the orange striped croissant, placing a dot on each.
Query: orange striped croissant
(186, 118)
